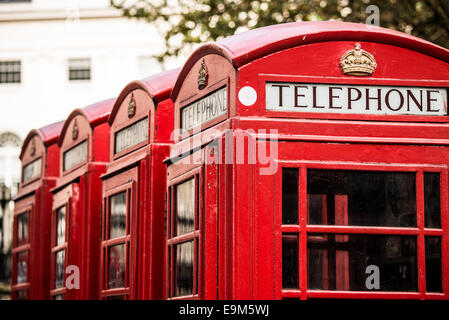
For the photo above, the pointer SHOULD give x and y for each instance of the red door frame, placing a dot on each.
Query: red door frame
(207, 275)
(128, 182)
(302, 229)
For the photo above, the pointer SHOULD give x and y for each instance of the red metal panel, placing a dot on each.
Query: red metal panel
(249, 46)
(85, 125)
(150, 98)
(35, 195)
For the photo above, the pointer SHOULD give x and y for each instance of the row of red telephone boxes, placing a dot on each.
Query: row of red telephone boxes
(119, 200)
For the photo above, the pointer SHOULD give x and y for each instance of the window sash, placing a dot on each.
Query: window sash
(193, 236)
(302, 229)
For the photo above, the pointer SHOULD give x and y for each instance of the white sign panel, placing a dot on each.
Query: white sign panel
(338, 98)
(202, 111)
(76, 155)
(32, 170)
(131, 136)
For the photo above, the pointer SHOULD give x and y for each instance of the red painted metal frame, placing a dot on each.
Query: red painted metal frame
(142, 164)
(35, 198)
(208, 265)
(79, 189)
(420, 231)
(249, 204)
(131, 245)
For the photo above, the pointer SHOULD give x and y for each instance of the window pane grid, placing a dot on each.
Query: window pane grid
(10, 71)
(425, 235)
(183, 243)
(59, 251)
(116, 246)
(79, 69)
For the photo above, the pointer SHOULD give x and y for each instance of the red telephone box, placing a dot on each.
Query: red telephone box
(311, 161)
(133, 190)
(76, 211)
(32, 212)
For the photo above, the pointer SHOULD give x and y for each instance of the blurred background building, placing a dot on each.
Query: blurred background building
(55, 56)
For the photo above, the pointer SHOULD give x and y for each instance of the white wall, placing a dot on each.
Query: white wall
(45, 94)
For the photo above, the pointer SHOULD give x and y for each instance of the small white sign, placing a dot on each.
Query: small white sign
(131, 136)
(32, 170)
(247, 96)
(356, 99)
(75, 155)
(207, 108)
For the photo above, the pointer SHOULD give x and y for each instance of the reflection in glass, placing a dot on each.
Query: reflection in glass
(290, 195)
(22, 228)
(290, 261)
(22, 267)
(117, 223)
(339, 262)
(60, 228)
(433, 264)
(432, 200)
(116, 273)
(361, 198)
(22, 294)
(59, 269)
(185, 207)
(184, 268)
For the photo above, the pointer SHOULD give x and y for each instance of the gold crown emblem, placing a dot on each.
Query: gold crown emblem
(131, 107)
(358, 62)
(202, 76)
(75, 131)
(33, 148)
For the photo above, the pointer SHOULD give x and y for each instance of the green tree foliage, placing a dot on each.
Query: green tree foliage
(187, 22)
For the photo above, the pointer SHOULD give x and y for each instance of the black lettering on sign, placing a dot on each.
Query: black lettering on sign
(131, 136)
(355, 99)
(207, 108)
(32, 170)
(75, 156)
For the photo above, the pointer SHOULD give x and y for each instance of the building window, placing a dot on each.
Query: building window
(356, 222)
(183, 239)
(79, 69)
(10, 71)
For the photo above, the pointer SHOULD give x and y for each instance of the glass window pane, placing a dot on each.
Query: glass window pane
(184, 259)
(290, 195)
(290, 278)
(361, 198)
(22, 228)
(433, 264)
(117, 222)
(117, 266)
(350, 262)
(22, 267)
(22, 295)
(59, 269)
(185, 207)
(432, 200)
(60, 227)
(59, 297)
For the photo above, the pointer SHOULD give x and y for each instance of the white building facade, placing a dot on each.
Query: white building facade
(58, 55)
(55, 56)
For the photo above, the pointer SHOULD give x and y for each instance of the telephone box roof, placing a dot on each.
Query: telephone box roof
(157, 86)
(49, 135)
(96, 114)
(245, 47)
